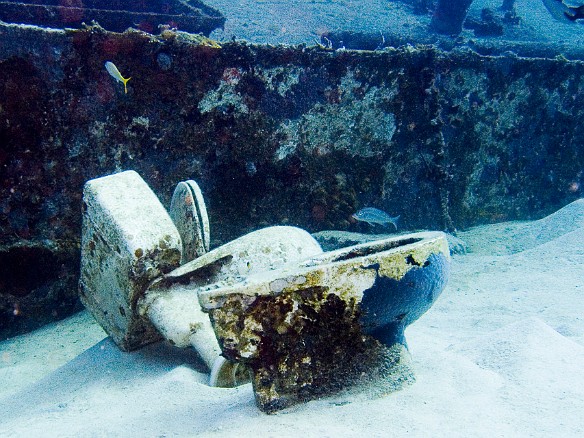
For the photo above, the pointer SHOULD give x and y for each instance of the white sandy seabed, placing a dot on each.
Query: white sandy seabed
(500, 354)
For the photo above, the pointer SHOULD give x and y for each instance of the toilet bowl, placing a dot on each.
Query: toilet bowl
(298, 326)
(270, 306)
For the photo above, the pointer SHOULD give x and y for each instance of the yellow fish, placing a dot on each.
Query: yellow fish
(115, 73)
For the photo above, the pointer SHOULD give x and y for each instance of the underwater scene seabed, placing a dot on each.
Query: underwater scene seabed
(361, 217)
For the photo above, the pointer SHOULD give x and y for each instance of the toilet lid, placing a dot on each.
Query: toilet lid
(189, 214)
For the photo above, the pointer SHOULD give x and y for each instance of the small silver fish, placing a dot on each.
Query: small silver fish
(115, 73)
(375, 216)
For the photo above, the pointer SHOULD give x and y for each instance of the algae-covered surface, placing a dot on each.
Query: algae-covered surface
(273, 136)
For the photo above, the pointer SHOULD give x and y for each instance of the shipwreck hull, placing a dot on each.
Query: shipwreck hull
(273, 135)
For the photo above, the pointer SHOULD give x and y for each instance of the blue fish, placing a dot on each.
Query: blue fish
(375, 216)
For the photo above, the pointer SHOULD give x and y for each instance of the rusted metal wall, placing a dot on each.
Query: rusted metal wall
(275, 135)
